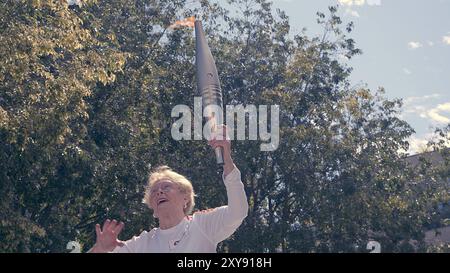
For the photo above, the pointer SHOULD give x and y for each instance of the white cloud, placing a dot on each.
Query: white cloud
(374, 2)
(350, 4)
(416, 109)
(410, 100)
(414, 45)
(422, 106)
(407, 71)
(446, 39)
(353, 13)
(436, 113)
(426, 107)
(360, 2)
(346, 2)
(418, 145)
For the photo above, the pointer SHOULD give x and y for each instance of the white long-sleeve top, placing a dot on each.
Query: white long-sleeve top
(199, 233)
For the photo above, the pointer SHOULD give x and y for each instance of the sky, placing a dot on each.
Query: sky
(406, 50)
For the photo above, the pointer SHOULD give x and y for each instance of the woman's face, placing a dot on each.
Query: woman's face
(166, 197)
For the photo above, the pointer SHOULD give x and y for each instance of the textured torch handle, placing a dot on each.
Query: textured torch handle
(219, 156)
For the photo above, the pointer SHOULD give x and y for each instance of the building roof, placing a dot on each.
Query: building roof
(435, 158)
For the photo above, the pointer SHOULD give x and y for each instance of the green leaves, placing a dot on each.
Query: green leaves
(50, 63)
(85, 105)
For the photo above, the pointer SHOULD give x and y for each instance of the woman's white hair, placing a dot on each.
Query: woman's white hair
(165, 172)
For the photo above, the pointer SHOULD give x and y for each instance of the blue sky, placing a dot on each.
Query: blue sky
(406, 50)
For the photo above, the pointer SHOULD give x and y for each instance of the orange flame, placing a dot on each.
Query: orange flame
(188, 22)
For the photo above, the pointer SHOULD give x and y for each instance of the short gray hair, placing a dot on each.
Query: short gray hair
(165, 172)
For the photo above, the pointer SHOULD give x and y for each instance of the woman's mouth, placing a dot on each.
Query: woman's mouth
(162, 200)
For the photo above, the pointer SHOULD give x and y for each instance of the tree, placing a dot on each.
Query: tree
(85, 112)
(50, 64)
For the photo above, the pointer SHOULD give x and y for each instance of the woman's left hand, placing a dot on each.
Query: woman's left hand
(225, 143)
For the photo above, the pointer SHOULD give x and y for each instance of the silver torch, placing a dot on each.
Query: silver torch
(208, 81)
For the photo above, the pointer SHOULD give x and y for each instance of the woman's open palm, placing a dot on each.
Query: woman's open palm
(107, 236)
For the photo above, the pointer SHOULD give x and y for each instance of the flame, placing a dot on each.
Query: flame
(188, 22)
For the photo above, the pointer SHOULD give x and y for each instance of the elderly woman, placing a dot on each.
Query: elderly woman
(171, 197)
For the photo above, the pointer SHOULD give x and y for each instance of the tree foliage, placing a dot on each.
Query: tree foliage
(85, 111)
